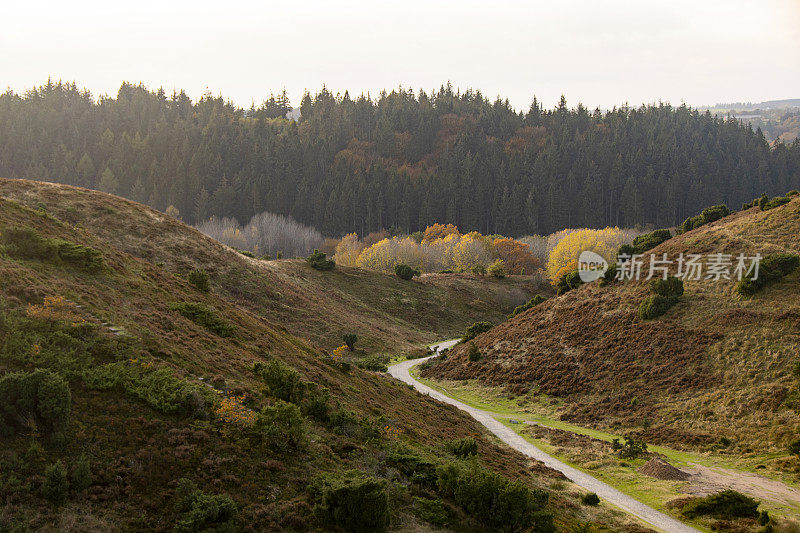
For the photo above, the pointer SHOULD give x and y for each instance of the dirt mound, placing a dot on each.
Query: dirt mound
(660, 469)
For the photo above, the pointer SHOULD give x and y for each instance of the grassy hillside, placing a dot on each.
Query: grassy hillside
(715, 366)
(192, 410)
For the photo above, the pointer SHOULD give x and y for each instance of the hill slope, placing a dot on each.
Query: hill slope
(113, 356)
(713, 366)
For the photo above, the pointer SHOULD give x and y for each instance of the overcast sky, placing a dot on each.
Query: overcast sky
(600, 52)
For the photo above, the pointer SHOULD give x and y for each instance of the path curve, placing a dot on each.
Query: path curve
(655, 518)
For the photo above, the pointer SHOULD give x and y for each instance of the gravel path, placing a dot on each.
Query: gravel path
(606, 492)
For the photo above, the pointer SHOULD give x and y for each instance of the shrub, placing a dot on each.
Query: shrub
(726, 505)
(610, 275)
(40, 394)
(82, 474)
(497, 269)
(204, 316)
(316, 404)
(762, 202)
(476, 329)
(199, 278)
(709, 214)
(203, 512)
(318, 261)
(794, 448)
(568, 281)
(775, 202)
(280, 427)
(55, 486)
(462, 448)
(26, 243)
(478, 270)
(646, 242)
(350, 340)
(283, 381)
(772, 268)
(671, 287)
(431, 511)
(159, 388)
(654, 306)
(533, 302)
(793, 192)
(403, 271)
(79, 256)
(473, 353)
(352, 501)
(375, 363)
(494, 500)
(590, 499)
(631, 449)
(418, 469)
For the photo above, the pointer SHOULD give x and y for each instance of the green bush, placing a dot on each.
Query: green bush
(646, 242)
(200, 279)
(462, 448)
(280, 427)
(590, 499)
(533, 302)
(352, 501)
(631, 449)
(40, 394)
(473, 353)
(725, 505)
(375, 363)
(671, 287)
(476, 329)
(81, 474)
(159, 388)
(79, 256)
(610, 275)
(417, 469)
(794, 448)
(405, 272)
(494, 500)
(26, 243)
(203, 512)
(350, 339)
(431, 511)
(318, 261)
(772, 268)
(793, 192)
(479, 270)
(709, 214)
(204, 316)
(283, 381)
(497, 269)
(775, 202)
(568, 282)
(654, 306)
(55, 486)
(316, 404)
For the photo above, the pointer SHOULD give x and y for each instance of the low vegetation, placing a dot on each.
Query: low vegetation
(403, 271)
(26, 243)
(318, 261)
(533, 302)
(726, 505)
(665, 294)
(476, 329)
(204, 316)
(709, 214)
(771, 269)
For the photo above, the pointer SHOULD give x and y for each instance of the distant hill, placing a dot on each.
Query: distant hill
(110, 356)
(769, 104)
(714, 365)
(779, 120)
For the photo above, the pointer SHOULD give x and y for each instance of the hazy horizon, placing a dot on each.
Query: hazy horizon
(603, 56)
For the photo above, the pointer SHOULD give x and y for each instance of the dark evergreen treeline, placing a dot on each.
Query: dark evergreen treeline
(402, 160)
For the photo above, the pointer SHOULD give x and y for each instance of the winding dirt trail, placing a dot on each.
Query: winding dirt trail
(655, 518)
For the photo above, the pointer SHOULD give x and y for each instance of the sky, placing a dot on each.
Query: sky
(599, 52)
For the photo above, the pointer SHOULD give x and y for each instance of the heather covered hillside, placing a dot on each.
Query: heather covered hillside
(139, 393)
(719, 363)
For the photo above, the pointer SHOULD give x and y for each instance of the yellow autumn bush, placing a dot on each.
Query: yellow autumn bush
(564, 257)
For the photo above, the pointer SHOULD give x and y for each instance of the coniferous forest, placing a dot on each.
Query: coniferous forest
(400, 160)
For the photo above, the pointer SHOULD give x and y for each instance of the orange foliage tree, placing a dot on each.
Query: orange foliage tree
(438, 231)
(516, 256)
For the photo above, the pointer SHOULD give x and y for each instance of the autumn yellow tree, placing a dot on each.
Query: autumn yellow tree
(438, 231)
(473, 250)
(348, 250)
(564, 257)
